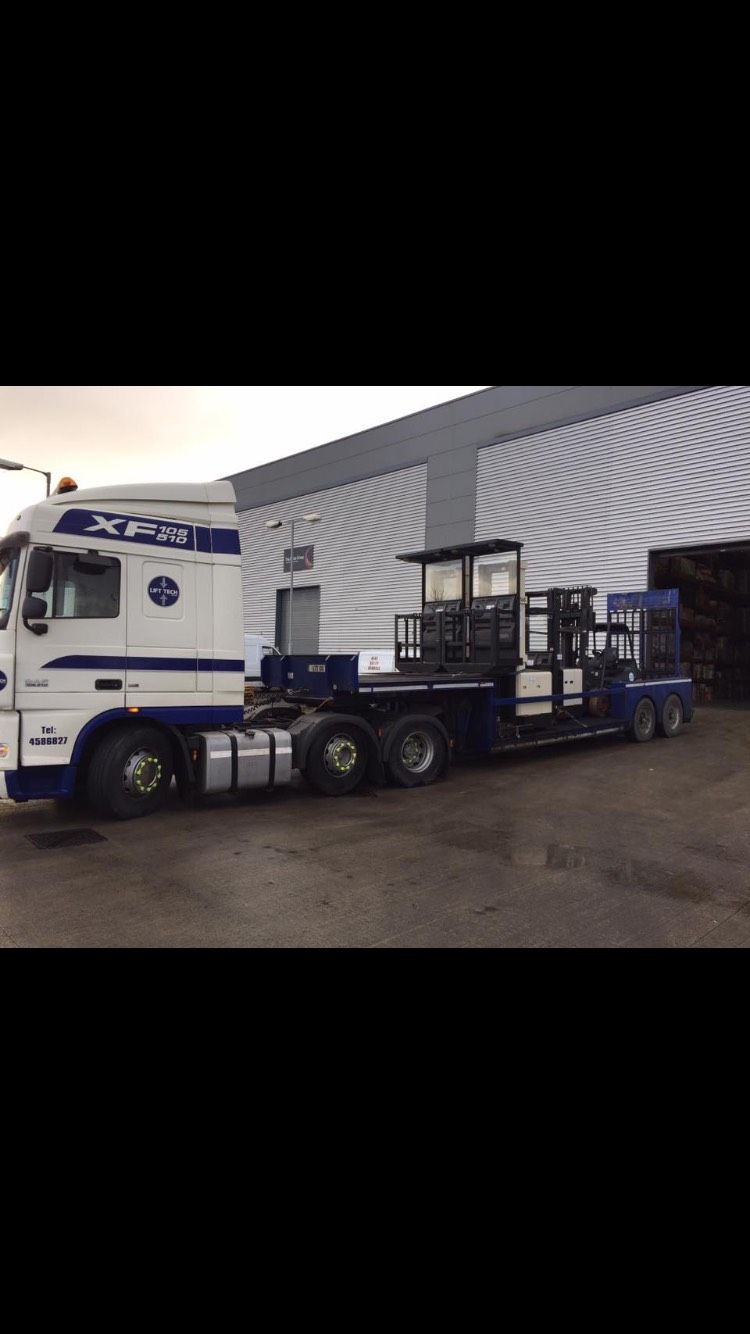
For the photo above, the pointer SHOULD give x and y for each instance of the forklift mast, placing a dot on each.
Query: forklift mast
(570, 618)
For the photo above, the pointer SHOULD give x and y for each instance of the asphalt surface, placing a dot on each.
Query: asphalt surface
(600, 844)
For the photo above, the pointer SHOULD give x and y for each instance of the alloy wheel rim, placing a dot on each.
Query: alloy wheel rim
(340, 755)
(417, 752)
(142, 773)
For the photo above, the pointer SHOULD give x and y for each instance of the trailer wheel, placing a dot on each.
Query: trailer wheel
(671, 716)
(417, 754)
(337, 759)
(644, 721)
(130, 772)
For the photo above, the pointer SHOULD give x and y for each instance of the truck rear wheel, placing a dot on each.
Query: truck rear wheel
(671, 716)
(337, 759)
(644, 721)
(417, 753)
(130, 772)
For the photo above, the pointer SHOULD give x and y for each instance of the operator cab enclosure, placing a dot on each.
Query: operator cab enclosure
(472, 617)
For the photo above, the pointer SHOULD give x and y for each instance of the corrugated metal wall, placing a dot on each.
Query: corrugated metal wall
(363, 525)
(589, 500)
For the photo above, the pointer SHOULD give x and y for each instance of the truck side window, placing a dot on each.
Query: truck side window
(83, 586)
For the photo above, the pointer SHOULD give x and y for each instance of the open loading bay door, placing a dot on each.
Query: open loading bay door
(714, 584)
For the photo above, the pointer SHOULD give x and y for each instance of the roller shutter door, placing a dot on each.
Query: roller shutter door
(305, 623)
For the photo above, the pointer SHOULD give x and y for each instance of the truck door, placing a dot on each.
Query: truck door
(162, 634)
(78, 664)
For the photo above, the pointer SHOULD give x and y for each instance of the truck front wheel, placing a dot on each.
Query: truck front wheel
(130, 772)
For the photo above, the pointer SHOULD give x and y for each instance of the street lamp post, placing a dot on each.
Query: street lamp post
(279, 523)
(16, 467)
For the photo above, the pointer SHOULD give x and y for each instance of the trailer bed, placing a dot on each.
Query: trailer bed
(318, 676)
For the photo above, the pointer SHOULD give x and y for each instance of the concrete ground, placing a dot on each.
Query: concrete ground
(604, 843)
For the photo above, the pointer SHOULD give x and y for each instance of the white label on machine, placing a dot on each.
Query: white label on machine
(375, 661)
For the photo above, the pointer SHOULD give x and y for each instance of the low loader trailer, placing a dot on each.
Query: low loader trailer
(122, 662)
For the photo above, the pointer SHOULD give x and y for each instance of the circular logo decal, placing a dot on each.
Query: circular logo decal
(163, 591)
(3, 680)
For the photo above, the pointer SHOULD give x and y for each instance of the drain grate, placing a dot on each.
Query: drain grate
(66, 838)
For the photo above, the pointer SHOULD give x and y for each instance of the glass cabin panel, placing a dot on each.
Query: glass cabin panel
(443, 581)
(494, 575)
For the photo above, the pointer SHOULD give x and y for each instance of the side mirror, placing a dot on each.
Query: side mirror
(39, 572)
(33, 607)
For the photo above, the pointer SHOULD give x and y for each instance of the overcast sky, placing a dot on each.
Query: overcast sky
(130, 434)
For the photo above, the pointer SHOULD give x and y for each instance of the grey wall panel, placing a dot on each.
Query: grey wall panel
(502, 411)
(589, 499)
(364, 525)
(459, 509)
(452, 462)
(452, 482)
(448, 488)
(445, 535)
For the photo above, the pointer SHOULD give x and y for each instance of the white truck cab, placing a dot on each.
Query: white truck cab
(120, 618)
(256, 649)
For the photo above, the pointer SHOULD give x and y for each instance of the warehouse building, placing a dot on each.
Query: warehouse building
(622, 487)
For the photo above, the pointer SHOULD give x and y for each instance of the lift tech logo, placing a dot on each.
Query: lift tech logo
(3, 680)
(164, 592)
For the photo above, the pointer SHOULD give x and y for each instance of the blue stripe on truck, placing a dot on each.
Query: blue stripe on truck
(167, 534)
(119, 663)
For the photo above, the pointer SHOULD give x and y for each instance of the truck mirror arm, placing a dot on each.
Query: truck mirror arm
(39, 629)
(34, 607)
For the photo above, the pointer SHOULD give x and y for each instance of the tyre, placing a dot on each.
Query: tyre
(672, 716)
(337, 759)
(418, 753)
(130, 772)
(644, 721)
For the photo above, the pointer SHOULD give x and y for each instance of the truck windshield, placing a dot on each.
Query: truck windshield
(8, 571)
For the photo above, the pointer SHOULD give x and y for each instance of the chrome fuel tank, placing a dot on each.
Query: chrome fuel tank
(231, 760)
